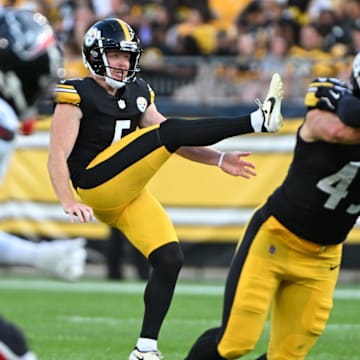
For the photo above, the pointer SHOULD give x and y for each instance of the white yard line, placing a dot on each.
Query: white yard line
(130, 287)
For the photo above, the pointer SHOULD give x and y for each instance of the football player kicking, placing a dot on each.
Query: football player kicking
(29, 62)
(108, 138)
(289, 256)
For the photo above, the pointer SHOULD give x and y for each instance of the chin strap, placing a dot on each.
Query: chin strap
(115, 84)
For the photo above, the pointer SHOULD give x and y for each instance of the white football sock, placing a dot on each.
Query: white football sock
(144, 344)
(257, 120)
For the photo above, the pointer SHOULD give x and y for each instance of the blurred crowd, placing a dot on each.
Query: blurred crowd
(220, 46)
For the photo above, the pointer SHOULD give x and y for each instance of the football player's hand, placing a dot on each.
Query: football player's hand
(233, 164)
(325, 94)
(81, 212)
(329, 97)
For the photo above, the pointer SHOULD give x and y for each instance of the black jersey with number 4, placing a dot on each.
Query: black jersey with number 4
(106, 118)
(320, 197)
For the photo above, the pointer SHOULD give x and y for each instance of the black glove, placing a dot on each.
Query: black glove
(325, 93)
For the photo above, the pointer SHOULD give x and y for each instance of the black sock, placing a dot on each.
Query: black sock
(205, 347)
(202, 132)
(166, 264)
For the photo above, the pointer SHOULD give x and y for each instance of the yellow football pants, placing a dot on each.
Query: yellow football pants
(125, 202)
(275, 269)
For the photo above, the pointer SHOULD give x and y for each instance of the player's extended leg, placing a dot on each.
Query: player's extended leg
(128, 165)
(203, 132)
(302, 305)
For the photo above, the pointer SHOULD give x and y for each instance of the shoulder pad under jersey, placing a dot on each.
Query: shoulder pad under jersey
(66, 93)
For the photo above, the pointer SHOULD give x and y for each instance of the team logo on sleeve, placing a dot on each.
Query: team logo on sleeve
(141, 103)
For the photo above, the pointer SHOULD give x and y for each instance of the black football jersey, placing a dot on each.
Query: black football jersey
(106, 118)
(320, 197)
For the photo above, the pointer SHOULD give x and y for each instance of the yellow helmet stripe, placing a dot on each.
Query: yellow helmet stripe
(125, 29)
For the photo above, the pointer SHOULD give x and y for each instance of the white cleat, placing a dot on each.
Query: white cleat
(271, 107)
(149, 355)
(64, 259)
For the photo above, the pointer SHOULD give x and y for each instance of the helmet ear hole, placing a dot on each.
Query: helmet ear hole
(96, 62)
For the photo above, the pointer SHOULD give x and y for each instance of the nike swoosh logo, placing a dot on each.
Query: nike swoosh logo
(333, 267)
(335, 95)
(272, 103)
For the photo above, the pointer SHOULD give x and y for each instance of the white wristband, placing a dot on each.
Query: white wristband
(221, 158)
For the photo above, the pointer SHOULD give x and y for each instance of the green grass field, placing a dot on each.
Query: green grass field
(99, 320)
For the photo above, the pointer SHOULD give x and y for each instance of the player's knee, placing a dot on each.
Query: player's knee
(298, 344)
(316, 324)
(168, 258)
(169, 134)
(235, 353)
(233, 349)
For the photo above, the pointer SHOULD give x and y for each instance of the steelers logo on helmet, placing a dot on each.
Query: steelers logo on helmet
(111, 35)
(90, 36)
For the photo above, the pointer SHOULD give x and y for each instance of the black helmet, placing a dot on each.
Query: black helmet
(109, 35)
(30, 58)
(355, 75)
